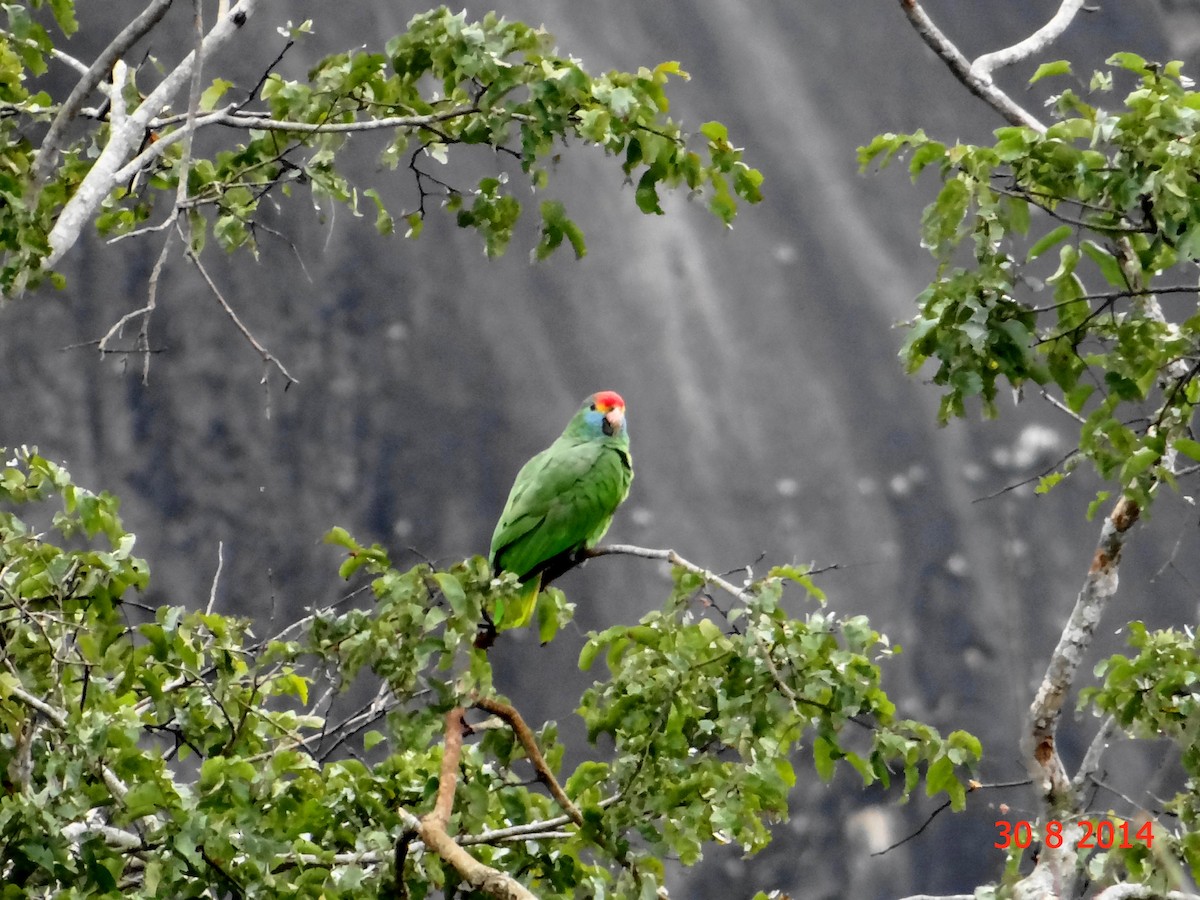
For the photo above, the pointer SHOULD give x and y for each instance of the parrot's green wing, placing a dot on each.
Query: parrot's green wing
(562, 501)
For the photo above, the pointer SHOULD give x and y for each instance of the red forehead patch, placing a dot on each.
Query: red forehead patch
(606, 400)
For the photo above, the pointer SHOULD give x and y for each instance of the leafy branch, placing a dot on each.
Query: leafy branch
(448, 82)
(186, 732)
(1127, 374)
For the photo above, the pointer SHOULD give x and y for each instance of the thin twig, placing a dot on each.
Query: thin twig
(65, 58)
(1091, 759)
(1062, 407)
(262, 351)
(231, 117)
(212, 594)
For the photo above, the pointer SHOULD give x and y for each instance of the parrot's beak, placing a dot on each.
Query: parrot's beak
(614, 420)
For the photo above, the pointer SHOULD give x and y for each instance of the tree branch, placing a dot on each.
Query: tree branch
(1141, 892)
(1035, 43)
(1099, 586)
(115, 786)
(266, 354)
(432, 826)
(523, 734)
(231, 117)
(1091, 759)
(123, 141)
(97, 72)
(674, 559)
(979, 85)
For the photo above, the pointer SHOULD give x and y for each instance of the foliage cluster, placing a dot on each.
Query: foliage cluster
(1017, 228)
(166, 752)
(447, 83)
(1114, 193)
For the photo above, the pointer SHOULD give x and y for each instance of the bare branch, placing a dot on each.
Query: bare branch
(1091, 760)
(1099, 586)
(523, 734)
(1062, 407)
(231, 117)
(212, 593)
(528, 830)
(262, 351)
(185, 162)
(1141, 892)
(443, 804)
(266, 123)
(65, 58)
(77, 832)
(143, 344)
(1035, 43)
(674, 559)
(981, 87)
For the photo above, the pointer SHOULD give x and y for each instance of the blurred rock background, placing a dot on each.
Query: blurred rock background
(770, 418)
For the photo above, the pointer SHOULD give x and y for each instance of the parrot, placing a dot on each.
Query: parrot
(563, 500)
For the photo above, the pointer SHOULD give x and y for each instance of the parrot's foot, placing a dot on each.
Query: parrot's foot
(485, 634)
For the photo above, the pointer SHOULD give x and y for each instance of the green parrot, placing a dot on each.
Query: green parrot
(563, 501)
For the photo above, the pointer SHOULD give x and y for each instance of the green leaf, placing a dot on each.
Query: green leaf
(1047, 482)
(1129, 61)
(825, 757)
(1048, 240)
(452, 590)
(587, 655)
(215, 91)
(64, 15)
(1109, 267)
(1094, 507)
(646, 194)
(1142, 459)
(715, 132)
(1058, 67)
(1187, 447)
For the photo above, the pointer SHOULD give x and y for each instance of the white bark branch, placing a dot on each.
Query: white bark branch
(981, 86)
(97, 72)
(124, 141)
(674, 559)
(229, 117)
(1141, 892)
(1099, 586)
(116, 787)
(1035, 43)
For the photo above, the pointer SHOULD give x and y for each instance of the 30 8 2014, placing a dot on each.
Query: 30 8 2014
(1098, 834)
